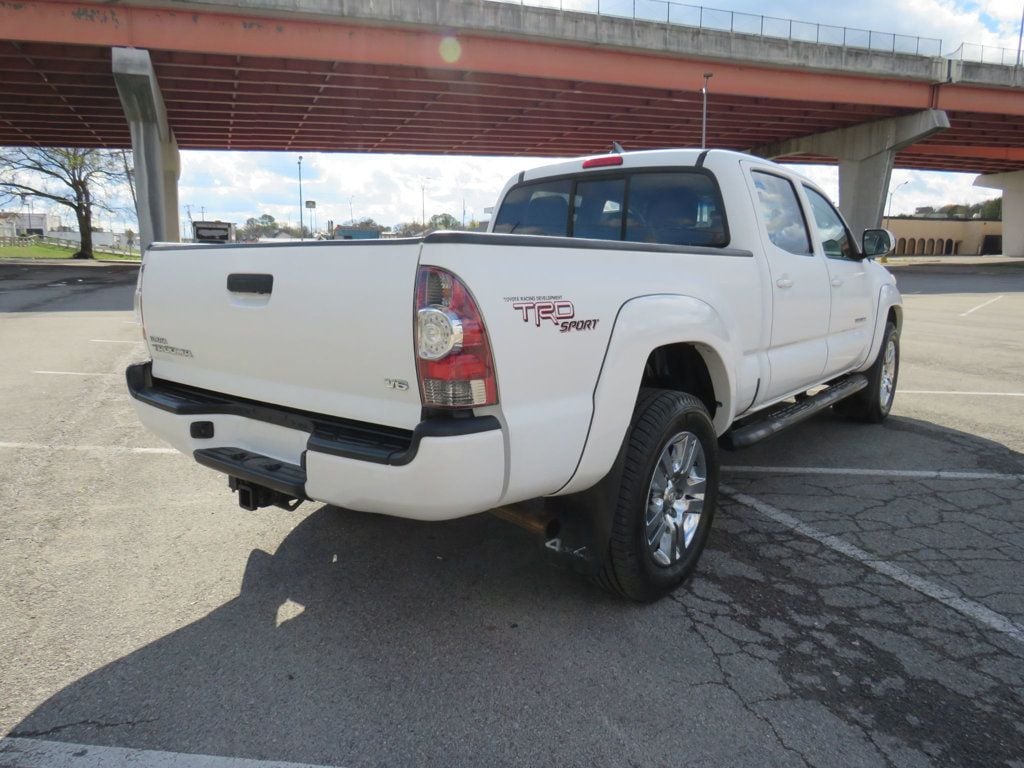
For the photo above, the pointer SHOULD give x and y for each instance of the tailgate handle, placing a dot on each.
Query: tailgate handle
(240, 283)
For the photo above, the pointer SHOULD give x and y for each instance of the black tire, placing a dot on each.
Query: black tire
(630, 568)
(869, 405)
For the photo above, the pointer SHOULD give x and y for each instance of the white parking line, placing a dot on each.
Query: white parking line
(910, 474)
(947, 597)
(952, 392)
(106, 448)
(980, 306)
(37, 753)
(74, 373)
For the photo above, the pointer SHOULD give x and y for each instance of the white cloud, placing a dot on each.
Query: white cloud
(388, 188)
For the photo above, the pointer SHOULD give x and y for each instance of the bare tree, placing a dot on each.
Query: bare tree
(77, 178)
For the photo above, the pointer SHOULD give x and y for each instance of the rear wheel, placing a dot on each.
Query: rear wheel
(873, 403)
(666, 499)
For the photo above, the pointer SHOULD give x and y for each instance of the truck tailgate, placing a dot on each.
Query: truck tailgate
(325, 327)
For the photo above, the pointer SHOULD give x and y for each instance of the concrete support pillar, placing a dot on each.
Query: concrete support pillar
(865, 153)
(157, 164)
(1012, 184)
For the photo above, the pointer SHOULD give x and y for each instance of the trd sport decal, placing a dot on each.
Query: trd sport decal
(561, 312)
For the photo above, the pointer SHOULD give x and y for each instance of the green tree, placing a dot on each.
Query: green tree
(79, 179)
(369, 223)
(443, 221)
(409, 229)
(265, 226)
(992, 209)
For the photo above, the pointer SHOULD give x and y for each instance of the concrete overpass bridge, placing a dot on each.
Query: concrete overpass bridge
(482, 77)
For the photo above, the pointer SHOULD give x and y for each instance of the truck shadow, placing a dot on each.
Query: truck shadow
(359, 627)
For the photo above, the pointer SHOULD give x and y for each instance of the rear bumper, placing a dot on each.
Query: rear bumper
(445, 468)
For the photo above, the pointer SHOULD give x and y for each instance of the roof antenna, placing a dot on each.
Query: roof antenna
(617, 148)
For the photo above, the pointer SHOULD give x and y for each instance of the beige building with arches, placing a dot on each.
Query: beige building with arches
(925, 236)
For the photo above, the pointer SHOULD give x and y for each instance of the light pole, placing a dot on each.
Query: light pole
(889, 214)
(1020, 37)
(704, 113)
(302, 216)
(351, 216)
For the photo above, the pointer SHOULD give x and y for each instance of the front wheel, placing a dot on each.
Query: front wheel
(873, 403)
(666, 499)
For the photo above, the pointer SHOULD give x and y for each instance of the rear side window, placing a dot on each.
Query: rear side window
(674, 208)
(598, 212)
(781, 213)
(536, 209)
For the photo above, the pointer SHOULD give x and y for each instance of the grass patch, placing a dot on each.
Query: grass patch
(35, 252)
(50, 252)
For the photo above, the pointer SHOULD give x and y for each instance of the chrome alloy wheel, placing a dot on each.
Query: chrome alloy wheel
(888, 378)
(675, 499)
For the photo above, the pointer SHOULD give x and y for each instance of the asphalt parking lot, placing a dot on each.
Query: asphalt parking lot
(861, 602)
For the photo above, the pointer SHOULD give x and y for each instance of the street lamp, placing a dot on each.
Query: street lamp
(704, 113)
(898, 186)
(302, 215)
(423, 200)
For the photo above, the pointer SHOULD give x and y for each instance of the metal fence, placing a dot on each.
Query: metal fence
(986, 54)
(769, 27)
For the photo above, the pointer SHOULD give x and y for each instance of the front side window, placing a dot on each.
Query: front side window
(780, 211)
(835, 239)
(536, 209)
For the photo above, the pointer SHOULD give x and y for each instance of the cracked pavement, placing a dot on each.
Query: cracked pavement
(142, 609)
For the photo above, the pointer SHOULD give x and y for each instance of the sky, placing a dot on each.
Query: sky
(233, 186)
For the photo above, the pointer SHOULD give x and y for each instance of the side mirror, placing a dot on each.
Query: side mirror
(877, 242)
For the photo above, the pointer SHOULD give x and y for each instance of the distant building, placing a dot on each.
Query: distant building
(928, 236)
(27, 223)
(355, 233)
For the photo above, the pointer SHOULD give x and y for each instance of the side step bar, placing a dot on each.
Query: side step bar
(777, 421)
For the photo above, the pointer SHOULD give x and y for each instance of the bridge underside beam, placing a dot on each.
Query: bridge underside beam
(157, 164)
(866, 153)
(1012, 185)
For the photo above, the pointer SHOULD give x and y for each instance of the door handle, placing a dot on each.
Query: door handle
(784, 282)
(241, 283)
(837, 281)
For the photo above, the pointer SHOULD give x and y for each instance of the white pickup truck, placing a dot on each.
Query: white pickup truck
(625, 315)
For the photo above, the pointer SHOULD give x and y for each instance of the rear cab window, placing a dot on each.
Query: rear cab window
(670, 207)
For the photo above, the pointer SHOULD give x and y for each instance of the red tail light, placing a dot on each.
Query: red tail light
(453, 356)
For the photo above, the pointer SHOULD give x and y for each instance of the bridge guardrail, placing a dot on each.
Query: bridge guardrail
(737, 22)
